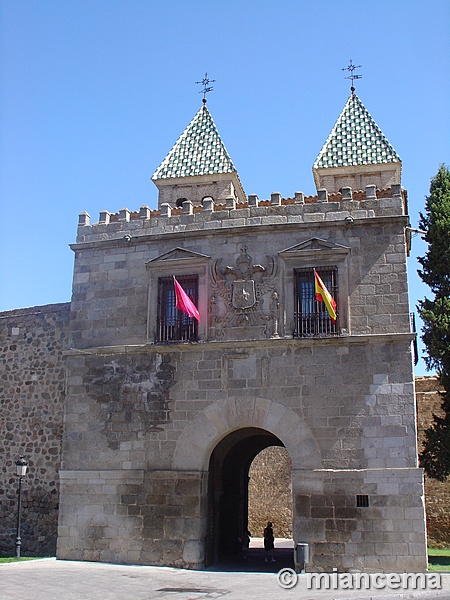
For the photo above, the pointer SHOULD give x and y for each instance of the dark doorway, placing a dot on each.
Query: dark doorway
(228, 492)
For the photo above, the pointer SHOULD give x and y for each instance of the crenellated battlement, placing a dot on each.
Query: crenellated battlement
(360, 204)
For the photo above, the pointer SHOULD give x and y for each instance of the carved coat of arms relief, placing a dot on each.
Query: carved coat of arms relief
(242, 295)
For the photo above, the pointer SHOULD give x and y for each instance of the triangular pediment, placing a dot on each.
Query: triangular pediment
(178, 254)
(314, 245)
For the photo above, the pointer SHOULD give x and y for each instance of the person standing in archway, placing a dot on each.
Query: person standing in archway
(245, 543)
(269, 542)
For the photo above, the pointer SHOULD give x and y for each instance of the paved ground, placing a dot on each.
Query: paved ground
(51, 579)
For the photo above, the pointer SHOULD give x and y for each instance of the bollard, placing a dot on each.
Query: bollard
(301, 556)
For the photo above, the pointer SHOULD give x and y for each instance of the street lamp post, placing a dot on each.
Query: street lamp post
(21, 471)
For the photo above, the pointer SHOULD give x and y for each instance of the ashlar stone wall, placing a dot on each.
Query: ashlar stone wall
(142, 419)
(32, 392)
(271, 471)
(149, 415)
(346, 436)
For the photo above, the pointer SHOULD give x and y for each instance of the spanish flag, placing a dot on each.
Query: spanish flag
(323, 295)
(183, 302)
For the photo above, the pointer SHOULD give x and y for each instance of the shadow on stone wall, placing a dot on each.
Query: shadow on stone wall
(437, 494)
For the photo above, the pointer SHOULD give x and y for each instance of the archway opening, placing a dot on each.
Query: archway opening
(270, 492)
(228, 493)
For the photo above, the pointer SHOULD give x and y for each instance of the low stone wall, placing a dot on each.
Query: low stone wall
(32, 383)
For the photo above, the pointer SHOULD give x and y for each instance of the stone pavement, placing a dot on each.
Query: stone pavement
(49, 579)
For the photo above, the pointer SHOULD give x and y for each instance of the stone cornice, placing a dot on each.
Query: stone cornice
(100, 476)
(238, 347)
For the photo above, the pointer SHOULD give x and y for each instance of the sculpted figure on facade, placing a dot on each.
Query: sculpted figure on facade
(272, 318)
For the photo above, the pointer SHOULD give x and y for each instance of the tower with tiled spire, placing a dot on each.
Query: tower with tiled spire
(159, 406)
(356, 153)
(198, 167)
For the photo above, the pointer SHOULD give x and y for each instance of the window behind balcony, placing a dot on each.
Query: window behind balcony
(172, 324)
(311, 317)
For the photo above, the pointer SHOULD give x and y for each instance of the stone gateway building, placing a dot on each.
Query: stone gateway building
(164, 414)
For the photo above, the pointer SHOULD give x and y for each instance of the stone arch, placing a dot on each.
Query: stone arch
(200, 437)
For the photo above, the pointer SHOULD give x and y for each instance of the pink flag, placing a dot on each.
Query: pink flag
(183, 302)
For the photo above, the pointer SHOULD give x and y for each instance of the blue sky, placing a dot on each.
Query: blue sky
(93, 94)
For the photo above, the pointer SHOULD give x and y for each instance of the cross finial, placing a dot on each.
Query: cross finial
(206, 88)
(351, 68)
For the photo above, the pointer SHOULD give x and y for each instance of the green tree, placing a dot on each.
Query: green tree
(435, 456)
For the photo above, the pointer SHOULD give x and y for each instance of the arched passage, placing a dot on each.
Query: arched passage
(201, 436)
(240, 423)
(228, 489)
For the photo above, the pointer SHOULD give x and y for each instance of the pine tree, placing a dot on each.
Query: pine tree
(435, 456)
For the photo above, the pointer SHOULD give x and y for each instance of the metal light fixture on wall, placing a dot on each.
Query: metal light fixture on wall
(21, 471)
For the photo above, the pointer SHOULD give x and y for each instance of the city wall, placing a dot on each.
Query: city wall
(32, 392)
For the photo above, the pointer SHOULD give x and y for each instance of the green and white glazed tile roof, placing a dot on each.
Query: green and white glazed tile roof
(198, 151)
(355, 140)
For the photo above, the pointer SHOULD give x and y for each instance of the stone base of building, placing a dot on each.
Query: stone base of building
(386, 532)
(367, 520)
(133, 517)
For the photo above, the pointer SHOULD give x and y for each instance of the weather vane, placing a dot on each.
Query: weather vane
(351, 68)
(205, 83)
